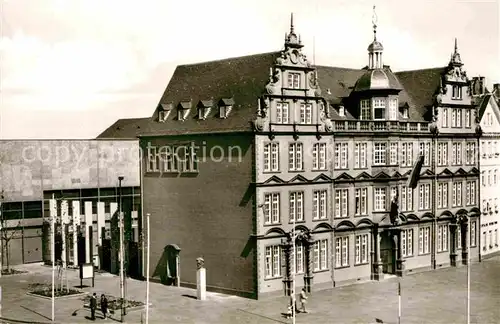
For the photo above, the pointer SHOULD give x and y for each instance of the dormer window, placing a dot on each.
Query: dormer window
(204, 108)
(404, 109)
(341, 111)
(293, 80)
(164, 111)
(365, 109)
(456, 92)
(378, 108)
(183, 111)
(225, 107)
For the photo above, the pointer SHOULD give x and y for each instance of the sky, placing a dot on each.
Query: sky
(71, 68)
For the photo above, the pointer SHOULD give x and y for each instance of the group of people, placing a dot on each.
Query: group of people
(293, 305)
(93, 306)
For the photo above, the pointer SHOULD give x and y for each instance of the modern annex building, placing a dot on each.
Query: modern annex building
(240, 151)
(32, 172)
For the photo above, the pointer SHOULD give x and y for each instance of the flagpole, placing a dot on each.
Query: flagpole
(147, 272)
(53, 252)
(468, 270)
(399, 302)
(293, 269)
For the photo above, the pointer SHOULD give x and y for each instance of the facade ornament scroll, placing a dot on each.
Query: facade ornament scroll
(325, 118)
(262, 114)
(274, 79)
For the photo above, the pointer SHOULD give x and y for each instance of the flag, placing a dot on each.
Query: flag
(415, 172)
(399, 289)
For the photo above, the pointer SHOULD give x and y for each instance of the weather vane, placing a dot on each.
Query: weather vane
(374, 22)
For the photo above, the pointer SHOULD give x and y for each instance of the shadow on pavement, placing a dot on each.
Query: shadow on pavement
(190, 296)
(35, 312)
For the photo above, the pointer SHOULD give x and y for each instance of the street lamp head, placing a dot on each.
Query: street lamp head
(120, 178)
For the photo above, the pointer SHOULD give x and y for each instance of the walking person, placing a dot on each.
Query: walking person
(93, 306)
(303, 300)
(104, 306)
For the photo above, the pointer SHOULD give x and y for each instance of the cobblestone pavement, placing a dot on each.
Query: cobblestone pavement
(431, 297)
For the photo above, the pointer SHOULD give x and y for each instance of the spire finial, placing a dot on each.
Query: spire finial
(374, 22)
(291, 23)
(456, 46)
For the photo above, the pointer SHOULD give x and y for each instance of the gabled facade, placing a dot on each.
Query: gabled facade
(320, 189)
(489, 115)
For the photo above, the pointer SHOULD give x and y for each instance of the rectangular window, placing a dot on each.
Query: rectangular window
(360, 155)
(296, 206)
(320, 255)
(393, 159)
(365, 109)
(271, 157)
(471, 193)
(299, 257)
(470, 157)
(293, 80)
(442, 200)
(273, 261)
(341, 201)
(361, 249)
(459, 237)
(379, 153)
(406, 154)
(319, 204)
(379, 108)
(444, 117)
(341, 155)
(319, 156)
(423, 240)
(424, 196)
(393, 109)
(406, 198)
(380, 199)
(467, 118)
(342, 252)
(457, 194)
(295, 157)
(407, 242)
(153, 159)
(282, 113)
(425, 150)
(361, 201)
(456, 158)
(456, 92)
(306, 113)
(442, 238)
(271, 208)
(442, 154)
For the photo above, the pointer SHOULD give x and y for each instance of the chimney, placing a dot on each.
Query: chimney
(496, 90)
(482, 85)
(474, 86)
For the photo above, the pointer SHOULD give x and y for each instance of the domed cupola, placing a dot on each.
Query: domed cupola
(377, 75)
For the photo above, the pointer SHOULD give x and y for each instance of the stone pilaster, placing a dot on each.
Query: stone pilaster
(287, 278)
(308, 276)
(396, 236)
(377, 272)
(465, 242)
(453, 247)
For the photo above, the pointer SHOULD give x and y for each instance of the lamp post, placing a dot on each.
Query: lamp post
(122, 290)
(468, 267)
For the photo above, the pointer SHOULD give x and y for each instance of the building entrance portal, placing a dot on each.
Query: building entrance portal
(388, 253)
(172, 267)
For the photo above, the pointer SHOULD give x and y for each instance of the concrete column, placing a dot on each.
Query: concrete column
(89, 250)
(64, 223)
(75, 223)
(377, 273)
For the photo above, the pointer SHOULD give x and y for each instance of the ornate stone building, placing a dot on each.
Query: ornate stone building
(320, 190)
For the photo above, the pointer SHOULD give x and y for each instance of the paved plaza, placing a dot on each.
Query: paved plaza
(432, 297)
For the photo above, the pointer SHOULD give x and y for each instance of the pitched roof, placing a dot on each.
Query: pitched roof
(242, 80)
(420, 87)
(483, 104)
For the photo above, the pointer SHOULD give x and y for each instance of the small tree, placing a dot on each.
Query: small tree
(5, 236)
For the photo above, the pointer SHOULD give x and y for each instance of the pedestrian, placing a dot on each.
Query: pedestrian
(93, 306)
(104, 306)
(290, 308)
(303, 300)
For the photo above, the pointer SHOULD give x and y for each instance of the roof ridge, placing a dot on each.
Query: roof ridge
(228, 59)
(423, 69)
(337, 67)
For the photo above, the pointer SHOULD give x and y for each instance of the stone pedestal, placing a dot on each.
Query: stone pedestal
(465, 257)
(201, 284)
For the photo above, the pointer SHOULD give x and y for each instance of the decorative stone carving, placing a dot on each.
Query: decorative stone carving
(259, 124)
(273, 83)
(313, 80)
(200, 263)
